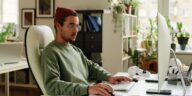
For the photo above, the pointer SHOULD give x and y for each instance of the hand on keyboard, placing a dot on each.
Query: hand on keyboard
(118, 79)
(100, 89)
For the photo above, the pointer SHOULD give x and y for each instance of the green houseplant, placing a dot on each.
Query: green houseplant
(6, 31)
(118, 8)
(134, 5)
(150, 44)
(128, 6)
(172, 32)
(182, 36)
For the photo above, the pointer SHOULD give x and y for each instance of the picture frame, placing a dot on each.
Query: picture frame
(27, 17)
(45, 8)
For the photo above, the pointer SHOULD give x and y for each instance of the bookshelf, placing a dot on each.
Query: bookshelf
(114, 58)
(90, 39)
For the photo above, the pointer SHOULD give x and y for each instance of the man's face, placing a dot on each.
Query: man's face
(69, 29)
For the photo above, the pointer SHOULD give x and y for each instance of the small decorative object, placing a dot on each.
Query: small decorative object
(182, 36)
(45, 8)
(172, 78)
(28, 17)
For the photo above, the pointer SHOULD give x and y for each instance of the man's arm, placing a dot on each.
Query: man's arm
(51, 76)
(96, 72)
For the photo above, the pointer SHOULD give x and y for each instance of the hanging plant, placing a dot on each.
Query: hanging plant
(117, 11)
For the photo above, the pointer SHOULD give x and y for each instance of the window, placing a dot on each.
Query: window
(147, 10)
(9, 11)
(180, 11)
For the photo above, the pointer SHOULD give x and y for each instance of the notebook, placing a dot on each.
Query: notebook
(11, 52)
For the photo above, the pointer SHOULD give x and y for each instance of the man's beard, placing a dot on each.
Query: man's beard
(68, 40)
(71, 41)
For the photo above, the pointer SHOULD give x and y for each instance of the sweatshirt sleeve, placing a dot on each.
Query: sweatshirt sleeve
(51, 77)
(95, 71)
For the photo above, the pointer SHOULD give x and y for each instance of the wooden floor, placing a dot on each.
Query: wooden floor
(20, 91)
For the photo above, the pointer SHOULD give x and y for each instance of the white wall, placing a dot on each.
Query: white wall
(76, 4)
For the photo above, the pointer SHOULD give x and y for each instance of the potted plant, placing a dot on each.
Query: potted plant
(118, 8)
(151, 38)
(6, 31)
(128, 6)
(150, 44)
(134, 6)
(182, 36)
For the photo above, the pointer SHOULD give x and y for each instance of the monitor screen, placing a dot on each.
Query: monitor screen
(164, 45)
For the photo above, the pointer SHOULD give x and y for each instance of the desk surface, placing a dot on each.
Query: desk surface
(141, 87)
(13, 67)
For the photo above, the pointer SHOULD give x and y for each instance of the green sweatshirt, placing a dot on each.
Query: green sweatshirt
(66, 71)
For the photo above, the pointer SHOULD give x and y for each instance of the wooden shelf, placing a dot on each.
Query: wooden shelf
(20, 85)
(129, 36)
(126, 58)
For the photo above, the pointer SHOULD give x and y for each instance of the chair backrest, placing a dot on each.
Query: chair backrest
(37, 37)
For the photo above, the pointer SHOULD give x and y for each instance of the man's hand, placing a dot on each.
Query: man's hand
(101, 89)
(117, 79)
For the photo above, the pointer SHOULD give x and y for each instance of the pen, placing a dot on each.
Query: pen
(173, 71)
(176, 72)
(189, 70)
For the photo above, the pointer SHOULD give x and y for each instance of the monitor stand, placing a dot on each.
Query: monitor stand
(161, 92)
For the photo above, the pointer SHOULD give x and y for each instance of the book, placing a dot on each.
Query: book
(89, 27)
(93, 24)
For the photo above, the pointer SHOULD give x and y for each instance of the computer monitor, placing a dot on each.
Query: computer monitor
(164, 50)
(164, 46)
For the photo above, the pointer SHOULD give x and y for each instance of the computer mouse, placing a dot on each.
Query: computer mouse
(111, 93)
(144, 71)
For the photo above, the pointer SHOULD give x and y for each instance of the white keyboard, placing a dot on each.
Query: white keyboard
(124, 86)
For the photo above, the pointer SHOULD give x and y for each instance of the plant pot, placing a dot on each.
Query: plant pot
(134, 11)
(182, 42)
(128, 8)
(182, 46)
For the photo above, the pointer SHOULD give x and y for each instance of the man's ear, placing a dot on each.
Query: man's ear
(57, 25)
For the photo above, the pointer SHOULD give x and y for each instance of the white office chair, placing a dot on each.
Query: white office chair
(37, 37)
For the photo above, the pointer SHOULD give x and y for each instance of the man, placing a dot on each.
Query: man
(65, 69)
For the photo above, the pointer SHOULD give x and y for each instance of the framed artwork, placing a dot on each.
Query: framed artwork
(45, 8)
(27, 17)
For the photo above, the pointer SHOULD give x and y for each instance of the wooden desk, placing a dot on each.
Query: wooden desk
(9, 68)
